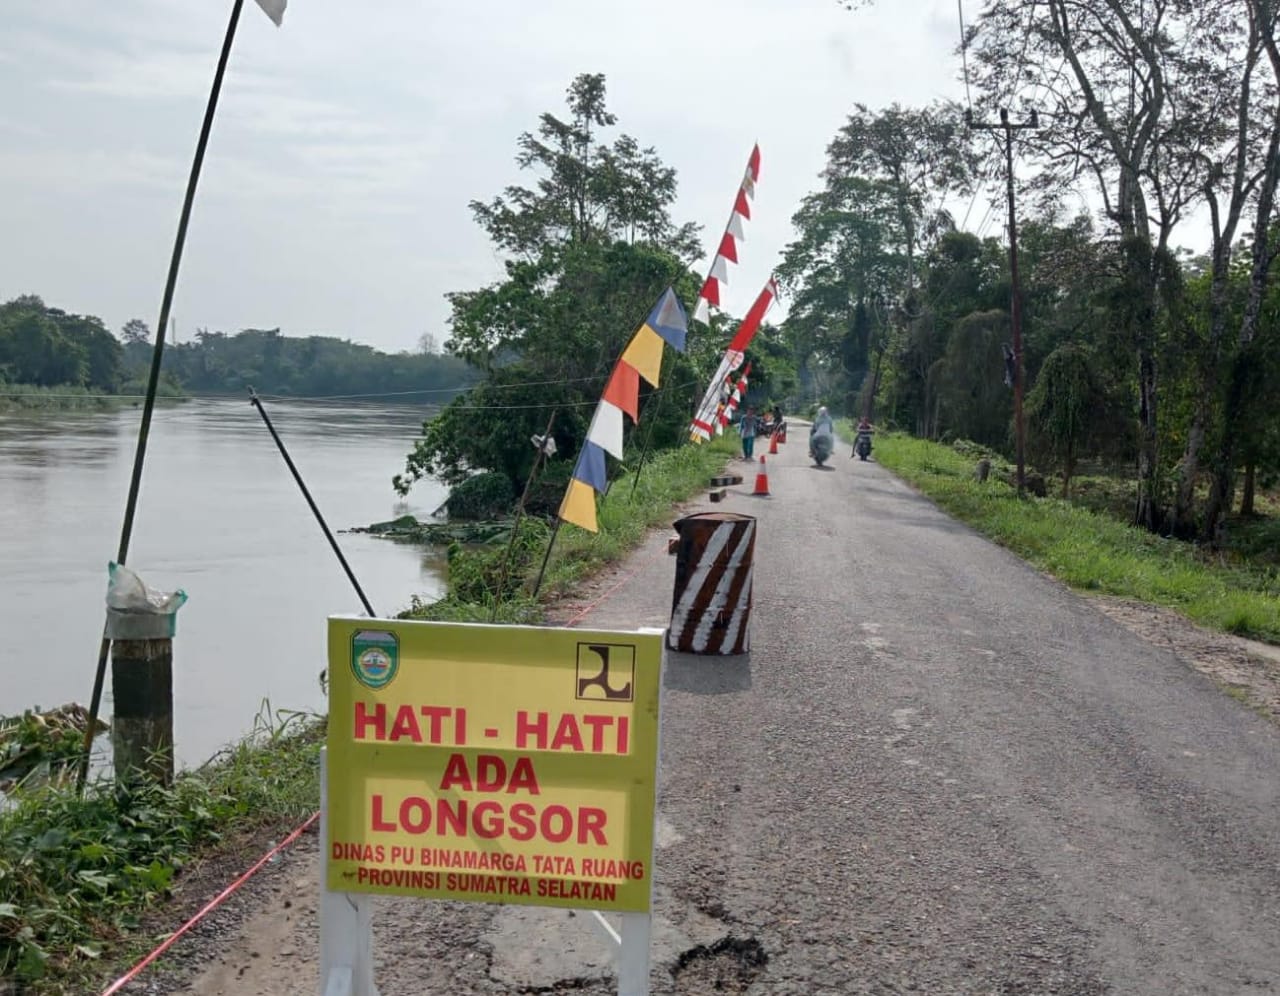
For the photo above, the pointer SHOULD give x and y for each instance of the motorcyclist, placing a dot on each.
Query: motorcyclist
(865, 429)
(821, 435)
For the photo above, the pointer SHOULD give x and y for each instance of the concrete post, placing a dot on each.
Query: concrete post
(142, 725)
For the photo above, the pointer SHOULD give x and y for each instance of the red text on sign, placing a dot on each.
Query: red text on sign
(490, 820)
(594, 734)
(491, 775)
(372, 724)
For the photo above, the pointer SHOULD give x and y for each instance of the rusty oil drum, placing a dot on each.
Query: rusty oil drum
(711, 600)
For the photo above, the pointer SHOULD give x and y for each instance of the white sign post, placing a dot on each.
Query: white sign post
(346, 934)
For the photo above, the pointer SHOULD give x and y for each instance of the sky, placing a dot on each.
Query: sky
(349, 142)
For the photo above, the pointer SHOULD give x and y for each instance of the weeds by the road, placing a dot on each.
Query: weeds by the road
(671, 477)
(77, 871)
(1091, 550)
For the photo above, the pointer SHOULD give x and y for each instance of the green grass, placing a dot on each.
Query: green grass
(669, 478)
(77, 872)
(1092, 550)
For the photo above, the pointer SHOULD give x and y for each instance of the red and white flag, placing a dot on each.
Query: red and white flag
(707, 418)
(718, 272)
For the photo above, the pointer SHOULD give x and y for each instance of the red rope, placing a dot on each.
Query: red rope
(209, 907)
(577, 617)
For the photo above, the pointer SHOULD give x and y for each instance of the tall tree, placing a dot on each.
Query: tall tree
(1244, 385)
(852, 269)
(1107, 71)
(589, 245)
(1235, 90)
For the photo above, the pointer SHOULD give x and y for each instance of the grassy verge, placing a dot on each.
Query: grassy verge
(669, 478)
(28, 397)
(1090, 550)
(77, 872)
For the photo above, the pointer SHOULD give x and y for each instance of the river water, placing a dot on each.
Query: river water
(219, 517)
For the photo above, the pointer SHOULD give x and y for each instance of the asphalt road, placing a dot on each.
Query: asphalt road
(936, 772)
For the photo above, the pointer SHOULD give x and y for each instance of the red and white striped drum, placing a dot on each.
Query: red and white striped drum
(711, 600)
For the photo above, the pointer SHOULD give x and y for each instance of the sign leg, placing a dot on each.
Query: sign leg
(633, 955)
(346, 929)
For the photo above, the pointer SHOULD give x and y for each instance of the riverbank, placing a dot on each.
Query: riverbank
(87, 885)
(984, 712)
(79, 874)
(480, 577)
(29, 397)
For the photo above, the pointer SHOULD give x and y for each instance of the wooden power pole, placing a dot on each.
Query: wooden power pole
(1015, 303)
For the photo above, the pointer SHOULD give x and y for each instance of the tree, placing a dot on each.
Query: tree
(135, 330)
(852, 270)
(1064, 408)
(589, 246)
(49, 347)
(1111, 73)
(1243, 383)
(967, 381)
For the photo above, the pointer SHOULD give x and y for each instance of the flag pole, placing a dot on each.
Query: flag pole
(648, 436)
(153, 380)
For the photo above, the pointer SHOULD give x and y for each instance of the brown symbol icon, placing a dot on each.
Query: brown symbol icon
(602, 664)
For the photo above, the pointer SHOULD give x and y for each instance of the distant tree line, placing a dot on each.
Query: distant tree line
(48, 347)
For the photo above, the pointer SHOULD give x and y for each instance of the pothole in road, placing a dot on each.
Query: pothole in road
(729, 965)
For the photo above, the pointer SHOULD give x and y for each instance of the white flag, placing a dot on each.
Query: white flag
(274, 9)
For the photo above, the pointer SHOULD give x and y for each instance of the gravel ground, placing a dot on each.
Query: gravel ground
(936, 772)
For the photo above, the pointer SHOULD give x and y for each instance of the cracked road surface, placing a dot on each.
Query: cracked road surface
(937, 771)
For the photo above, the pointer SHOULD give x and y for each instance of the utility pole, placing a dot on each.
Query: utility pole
(1015, 303)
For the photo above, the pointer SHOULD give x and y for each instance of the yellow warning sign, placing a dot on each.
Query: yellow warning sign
(510, 764)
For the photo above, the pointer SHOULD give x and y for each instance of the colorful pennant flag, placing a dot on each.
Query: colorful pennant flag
(718, 272)
(274, 9)
(666, 324)
(706, 419)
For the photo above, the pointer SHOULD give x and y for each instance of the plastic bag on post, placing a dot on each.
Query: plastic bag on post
(136, 612)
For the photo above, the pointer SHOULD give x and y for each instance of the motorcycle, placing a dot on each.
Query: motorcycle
(821, 442)
(862, 445)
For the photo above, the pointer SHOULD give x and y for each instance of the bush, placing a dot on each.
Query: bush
(76, 871)
(484, 496)
(476, 574)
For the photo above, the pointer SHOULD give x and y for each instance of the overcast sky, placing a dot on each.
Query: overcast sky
(348, 143)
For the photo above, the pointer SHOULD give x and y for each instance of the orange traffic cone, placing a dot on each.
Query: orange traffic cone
(762, 481)
(773, 443)
(782, 433)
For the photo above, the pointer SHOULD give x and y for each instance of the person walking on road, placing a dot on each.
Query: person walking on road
(747, 426)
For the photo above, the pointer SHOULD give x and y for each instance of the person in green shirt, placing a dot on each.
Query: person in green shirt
(747, 426)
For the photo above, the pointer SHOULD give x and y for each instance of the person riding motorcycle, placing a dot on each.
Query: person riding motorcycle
(821, 435)
(862, 441)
